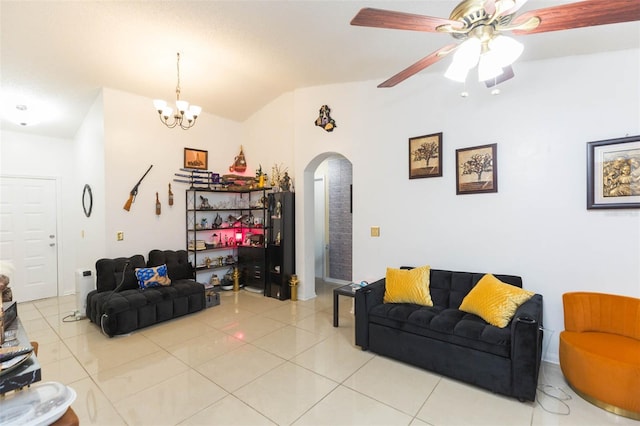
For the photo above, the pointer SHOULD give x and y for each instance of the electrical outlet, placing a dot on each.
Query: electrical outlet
(120, 236)
(375, 231)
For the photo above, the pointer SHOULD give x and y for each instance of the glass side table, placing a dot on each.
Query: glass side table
(348, 290)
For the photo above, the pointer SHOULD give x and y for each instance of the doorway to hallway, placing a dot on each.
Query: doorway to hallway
(333, 220)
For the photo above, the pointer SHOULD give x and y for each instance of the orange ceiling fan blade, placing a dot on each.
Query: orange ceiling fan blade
(419, 66)
(586, 13)
(379, 18)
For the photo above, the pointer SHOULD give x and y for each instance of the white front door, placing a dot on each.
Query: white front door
(28, 237)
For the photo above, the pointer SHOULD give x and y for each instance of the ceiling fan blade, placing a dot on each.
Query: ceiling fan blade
(586, 13)
(516, 7)
(378, 18)
(419, 66)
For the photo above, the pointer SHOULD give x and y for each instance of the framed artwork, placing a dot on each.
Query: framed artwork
(613, 173)
(425, 156)
(477, 169)
(196, 159)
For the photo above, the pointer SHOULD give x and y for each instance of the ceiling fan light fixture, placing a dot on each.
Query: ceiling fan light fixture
(505, 50)
(465, 58)
(488, 67)
(456, 73)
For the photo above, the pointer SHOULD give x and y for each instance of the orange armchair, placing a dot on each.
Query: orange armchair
(600, 350)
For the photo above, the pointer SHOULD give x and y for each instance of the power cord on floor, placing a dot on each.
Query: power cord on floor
(548, 390)
(73, 317)
(115, 290)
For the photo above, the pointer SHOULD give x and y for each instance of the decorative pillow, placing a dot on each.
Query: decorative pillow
(408, 286)
(494, 301)
(152, 277)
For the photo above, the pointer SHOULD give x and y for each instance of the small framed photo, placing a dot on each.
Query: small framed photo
(477, 169)
(425, 156)
(613, 173)
(196, 159)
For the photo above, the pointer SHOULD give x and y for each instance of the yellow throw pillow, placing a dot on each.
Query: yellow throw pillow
(494, 301)
(408, 286)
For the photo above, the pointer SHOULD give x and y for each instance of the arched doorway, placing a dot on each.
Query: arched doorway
(332, 221)
(326, 223)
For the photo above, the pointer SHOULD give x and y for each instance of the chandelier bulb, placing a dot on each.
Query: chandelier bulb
(185, 115)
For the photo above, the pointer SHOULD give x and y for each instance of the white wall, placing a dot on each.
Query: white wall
(25, 155)
(134, 140)
(89, 148)
(269, 136)
(536, 226)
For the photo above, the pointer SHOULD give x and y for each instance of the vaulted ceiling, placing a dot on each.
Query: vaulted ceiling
(236, 56)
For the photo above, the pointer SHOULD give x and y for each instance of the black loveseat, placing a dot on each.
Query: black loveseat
(129, 307)
(451, 342)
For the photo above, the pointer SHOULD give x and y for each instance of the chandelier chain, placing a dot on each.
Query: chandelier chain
(178, 85)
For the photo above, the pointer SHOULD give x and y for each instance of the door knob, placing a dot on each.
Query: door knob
(52, 236)
(52, 244)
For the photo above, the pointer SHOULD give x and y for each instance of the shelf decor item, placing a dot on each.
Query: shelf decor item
(477, 169)
(196, 159)
(425, 156)
(613, 173)
(239, 163)
(324, 119)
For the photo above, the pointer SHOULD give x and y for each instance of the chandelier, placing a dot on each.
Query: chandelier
(185, 115)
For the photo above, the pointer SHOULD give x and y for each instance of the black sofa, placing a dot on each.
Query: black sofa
(451, 342)
(119, 306)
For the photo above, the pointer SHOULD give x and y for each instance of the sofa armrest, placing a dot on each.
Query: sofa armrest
(365, 299)
(526, 348)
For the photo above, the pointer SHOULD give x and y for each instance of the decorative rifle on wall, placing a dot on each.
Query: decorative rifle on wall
(134, 191)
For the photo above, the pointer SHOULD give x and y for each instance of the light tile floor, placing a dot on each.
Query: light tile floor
(259, 361)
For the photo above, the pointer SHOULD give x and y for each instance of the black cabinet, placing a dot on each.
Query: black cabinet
(251, 263)
(281, 260)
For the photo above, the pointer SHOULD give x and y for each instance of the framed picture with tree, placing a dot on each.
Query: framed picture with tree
(477, 169)
(425, 156)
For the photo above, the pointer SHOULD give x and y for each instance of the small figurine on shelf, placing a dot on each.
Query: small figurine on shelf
(204, 203)
(204, 223)
(217, 221)
(239, 163)
(277, 172)
(285, 182)
(261, 177)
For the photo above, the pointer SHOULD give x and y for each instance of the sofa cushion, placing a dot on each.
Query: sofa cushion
(408, 286)
(447, 325)
(494, 301)
(177, 261)
(109, 272)
(152, 277)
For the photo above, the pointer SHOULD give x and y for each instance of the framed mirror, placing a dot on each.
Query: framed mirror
(87, 200)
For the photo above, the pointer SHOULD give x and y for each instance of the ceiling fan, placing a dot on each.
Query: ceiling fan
(480, 24)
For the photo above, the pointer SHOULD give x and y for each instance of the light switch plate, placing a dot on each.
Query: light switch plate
(375, 231)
